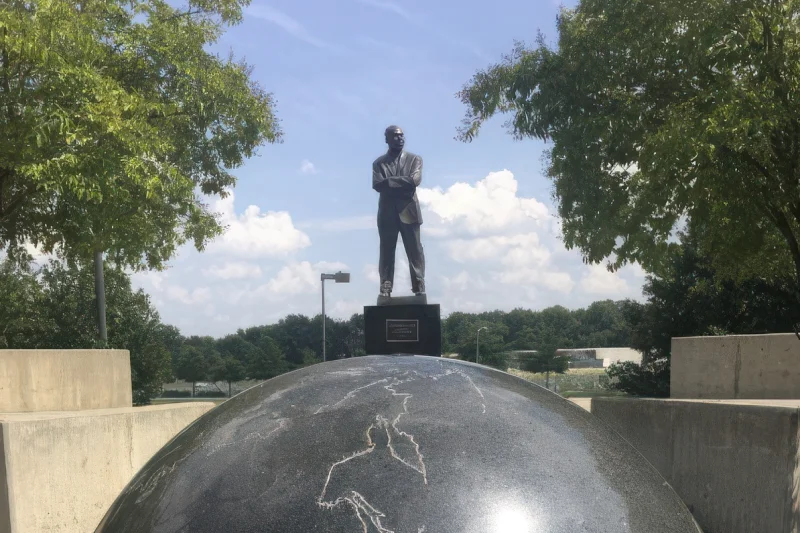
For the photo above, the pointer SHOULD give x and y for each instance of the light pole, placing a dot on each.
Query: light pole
(339, 277)
(478, 345)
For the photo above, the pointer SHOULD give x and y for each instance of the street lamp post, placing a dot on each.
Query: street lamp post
(339, 277)
(478, 345)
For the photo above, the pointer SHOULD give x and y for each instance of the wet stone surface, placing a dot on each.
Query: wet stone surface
(401, 444)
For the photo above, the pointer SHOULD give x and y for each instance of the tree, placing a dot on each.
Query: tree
(229, 369)
(235, 346)
(193, 366)
(555, 330)
(604, 325)
(20, 304)
(55, 308)
(293, 333)
(354, 331)
(689, 299)
(464, 337)
(660, 112)
(268, 361)
(310, 357)
(651, 378)
(115, 116)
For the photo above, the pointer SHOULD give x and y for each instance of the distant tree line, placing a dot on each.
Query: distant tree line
(263, 352)
(54, 307)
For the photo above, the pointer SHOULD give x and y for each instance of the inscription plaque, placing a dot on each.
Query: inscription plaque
(398, 330)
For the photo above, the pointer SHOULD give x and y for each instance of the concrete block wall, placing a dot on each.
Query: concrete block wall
(736, 367)
(64, 380)
(69, 438)
(735, 463)
(63, 470)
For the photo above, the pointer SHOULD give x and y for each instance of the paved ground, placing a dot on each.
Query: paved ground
(586, 403)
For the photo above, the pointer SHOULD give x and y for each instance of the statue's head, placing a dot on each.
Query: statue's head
(395, 138)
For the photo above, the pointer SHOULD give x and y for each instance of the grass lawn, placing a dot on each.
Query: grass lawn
(162, 401)
(574, 383)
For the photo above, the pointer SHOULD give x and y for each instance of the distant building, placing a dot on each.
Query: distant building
(599, 357)
(516, 358)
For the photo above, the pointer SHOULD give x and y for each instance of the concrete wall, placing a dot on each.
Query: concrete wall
(736, 366)
(64, 380)
(63, 470)
(734, 463)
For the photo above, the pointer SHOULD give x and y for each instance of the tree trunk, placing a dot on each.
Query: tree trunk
(192, 389)
(100, 295)
(780, 219)
(229, 389)
(547, 381)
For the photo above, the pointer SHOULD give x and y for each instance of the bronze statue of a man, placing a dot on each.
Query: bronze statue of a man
(396, 176)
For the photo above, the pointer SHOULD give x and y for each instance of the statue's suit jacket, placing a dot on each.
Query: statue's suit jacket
(397, 180)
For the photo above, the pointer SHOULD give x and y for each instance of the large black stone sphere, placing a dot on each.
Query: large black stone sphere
(400, 444)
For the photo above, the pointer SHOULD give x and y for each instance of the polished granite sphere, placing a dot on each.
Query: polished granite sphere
(401, 444)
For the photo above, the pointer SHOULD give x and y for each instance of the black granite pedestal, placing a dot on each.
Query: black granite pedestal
(403, 329)
(383, 444)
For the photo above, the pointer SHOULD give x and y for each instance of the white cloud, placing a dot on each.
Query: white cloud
(491, 206)
(234, 270)
(515, 250)
(154, 278)
(300, 278)
(337, 225)
(462, 282)
(487, 226)
(183, 295)
(255, 234)
(391, 7)
(554, 281)
(36, 252)
(487, 247)
(598, 280)
(402, 275)
(637, 270)
(307, 167)
(371, 273)
(286, 23)
(344, 308)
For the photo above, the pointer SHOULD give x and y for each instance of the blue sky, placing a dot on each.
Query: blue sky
(340, 73)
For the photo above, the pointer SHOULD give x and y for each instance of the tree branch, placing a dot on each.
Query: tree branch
(188, 13)
(782, 222)
(14, 204)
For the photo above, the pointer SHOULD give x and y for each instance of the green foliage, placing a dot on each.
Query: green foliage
(55, 308)
(648, 379)
(460, 335)
(660, 112)
(20, 295)
(228, 369)
(310, 358)
(690, 299)
(116, 121)
(268, 361)
(602, 324)
(546, 362)
(193, 365)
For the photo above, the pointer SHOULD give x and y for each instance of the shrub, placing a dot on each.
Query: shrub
(648, 379)
(497, 360)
